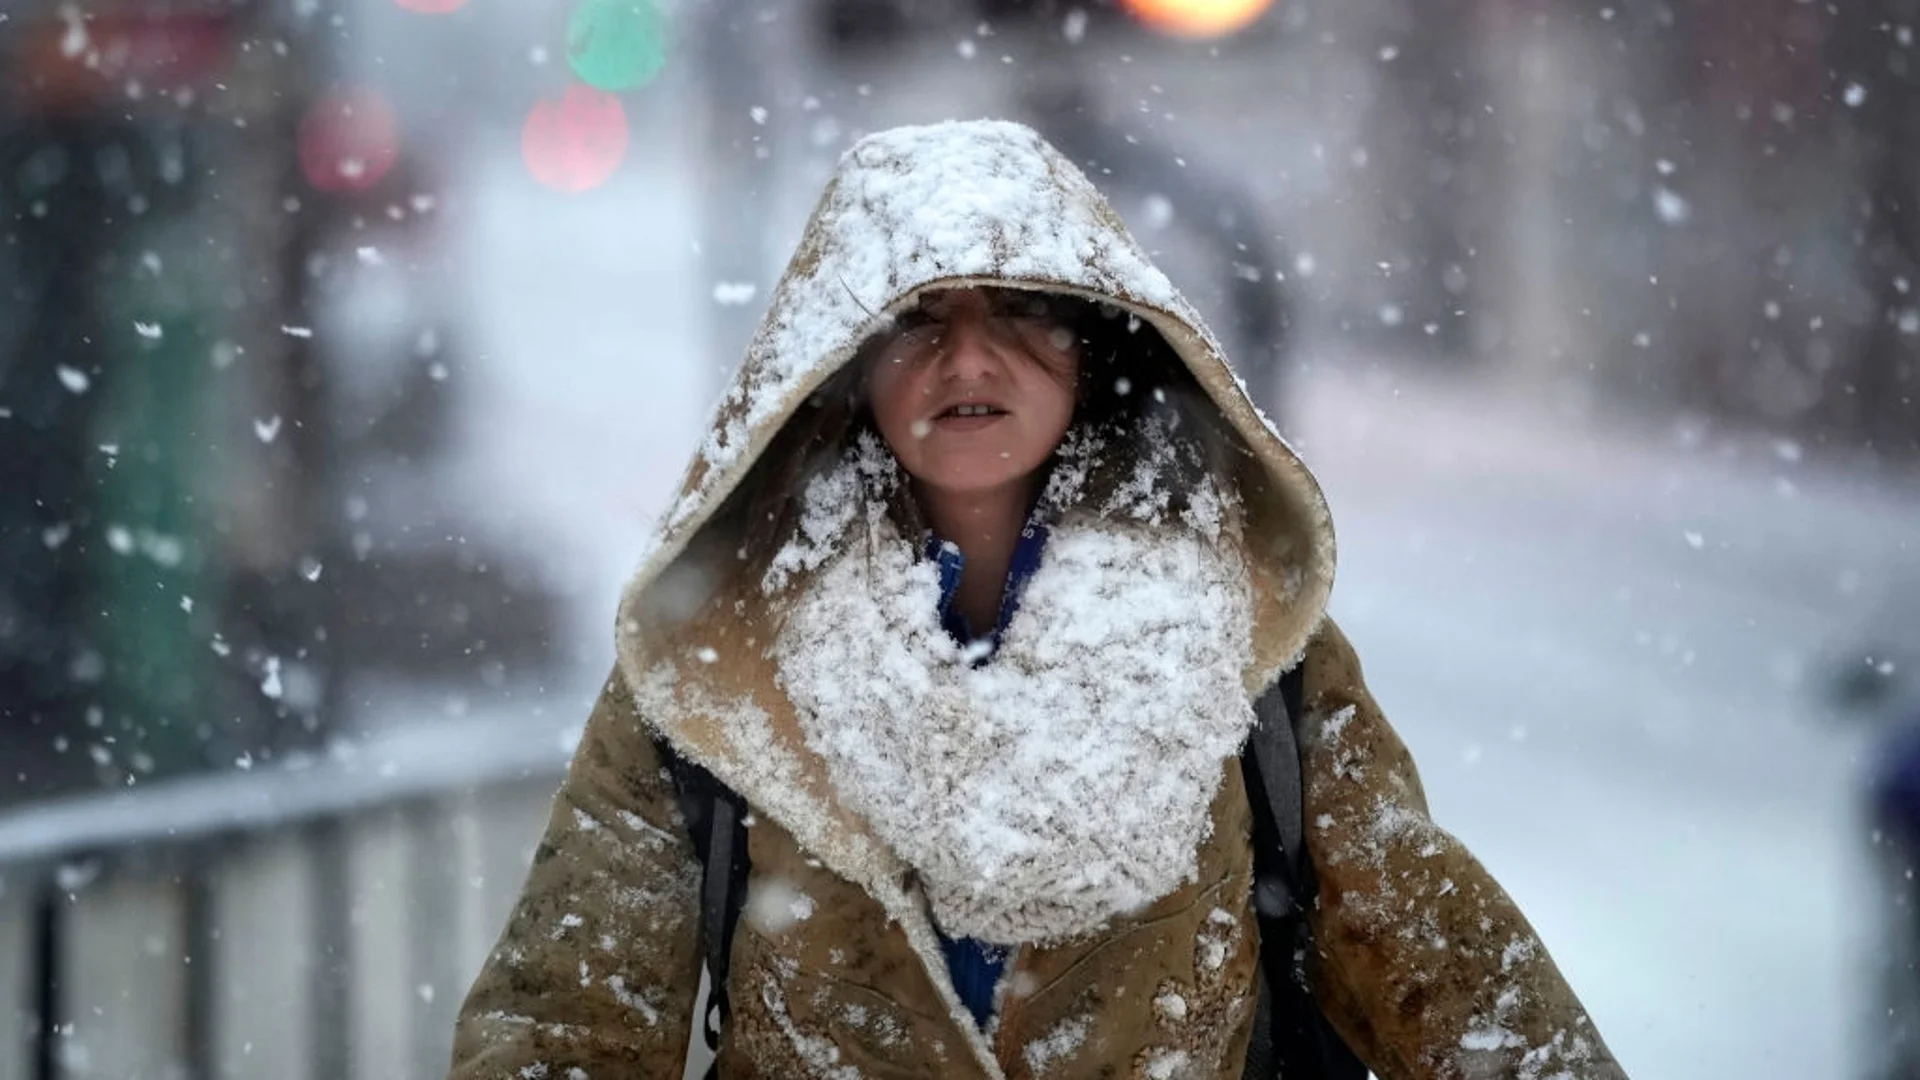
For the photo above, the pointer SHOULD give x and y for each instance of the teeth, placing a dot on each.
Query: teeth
(972, 410)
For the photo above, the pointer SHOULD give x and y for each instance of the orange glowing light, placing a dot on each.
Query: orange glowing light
(432, 7)
(1197, 18)
(575, 144)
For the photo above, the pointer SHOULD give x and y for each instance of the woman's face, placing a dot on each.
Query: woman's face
(975, 387)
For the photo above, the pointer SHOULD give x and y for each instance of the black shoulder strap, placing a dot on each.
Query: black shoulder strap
(1271, 765)
(1291, 1038)
(716, 820)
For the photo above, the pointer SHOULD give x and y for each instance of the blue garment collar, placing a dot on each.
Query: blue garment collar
(948, 558)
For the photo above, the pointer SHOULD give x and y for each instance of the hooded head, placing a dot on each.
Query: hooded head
(909, 213)
(911, 216)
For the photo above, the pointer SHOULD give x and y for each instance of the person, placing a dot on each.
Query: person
(968, 597)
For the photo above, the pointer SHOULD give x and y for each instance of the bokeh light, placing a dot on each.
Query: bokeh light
(575, 144)
(432, 7)
(349, 140)
(1197, 18)
(617, 44)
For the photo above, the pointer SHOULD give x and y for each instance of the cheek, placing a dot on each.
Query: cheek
(891, 395)
(1060, 394)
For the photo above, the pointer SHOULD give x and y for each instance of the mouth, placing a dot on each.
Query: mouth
(963, 418)
(971, 410)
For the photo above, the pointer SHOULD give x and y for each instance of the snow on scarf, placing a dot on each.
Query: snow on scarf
(1069, 780)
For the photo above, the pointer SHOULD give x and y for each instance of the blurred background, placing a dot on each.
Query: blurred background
(349, 347)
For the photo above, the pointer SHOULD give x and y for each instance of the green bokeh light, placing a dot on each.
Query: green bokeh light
(617, 44)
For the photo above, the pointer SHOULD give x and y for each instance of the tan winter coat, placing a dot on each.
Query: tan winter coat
(1422, 962)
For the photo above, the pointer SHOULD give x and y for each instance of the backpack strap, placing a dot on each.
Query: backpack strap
(1271, 766)
(716, 821)
(1291, 1037)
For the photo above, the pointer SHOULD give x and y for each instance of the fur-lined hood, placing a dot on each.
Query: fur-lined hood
(908, 210)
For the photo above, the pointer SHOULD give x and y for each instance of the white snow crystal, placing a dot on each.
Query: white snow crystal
(74, 876)
(1489, 1037)
(1074, 26)
(1518, 951)
(773, 906)
(150, 331)
(1159, 211)
(73, 378)
(297, 331)
(1856, 95)
(1166, 1064)
(734, 293)
(1056, 1046)
(1671, 206)
(267, 430)
(270, 685)
(75, 40)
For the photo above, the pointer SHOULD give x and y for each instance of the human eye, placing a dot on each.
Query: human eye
(915, 333)
(911, 320)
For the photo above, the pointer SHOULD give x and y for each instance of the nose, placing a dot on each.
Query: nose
(972, 346)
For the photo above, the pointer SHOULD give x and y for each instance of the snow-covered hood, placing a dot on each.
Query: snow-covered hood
(956, 204)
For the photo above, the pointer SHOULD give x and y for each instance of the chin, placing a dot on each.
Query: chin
(974, 481)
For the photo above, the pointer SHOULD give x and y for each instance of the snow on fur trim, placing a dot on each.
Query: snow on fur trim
(1064, 783)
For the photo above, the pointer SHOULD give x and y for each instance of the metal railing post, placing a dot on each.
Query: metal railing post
(46, 980)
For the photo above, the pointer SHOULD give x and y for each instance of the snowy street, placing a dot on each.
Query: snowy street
(1604, 599)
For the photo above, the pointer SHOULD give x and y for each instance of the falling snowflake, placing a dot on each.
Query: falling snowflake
(73, 378)
(733, 293)
(1671, 206)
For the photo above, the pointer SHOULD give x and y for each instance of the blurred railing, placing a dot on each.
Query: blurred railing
(317, 920)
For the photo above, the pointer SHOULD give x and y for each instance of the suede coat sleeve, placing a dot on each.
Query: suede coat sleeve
(1424, 964)
(600, 961)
